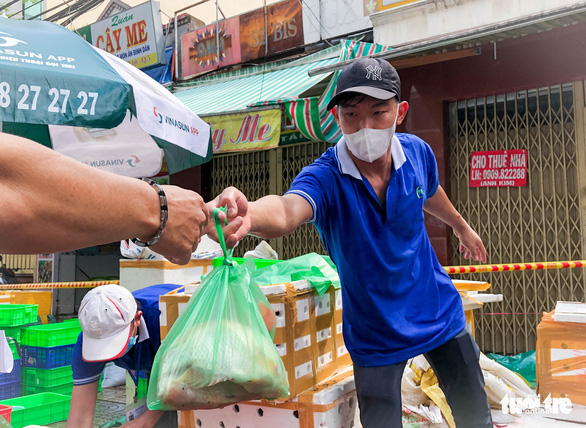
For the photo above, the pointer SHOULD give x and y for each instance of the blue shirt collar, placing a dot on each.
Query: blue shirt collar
(347, 166)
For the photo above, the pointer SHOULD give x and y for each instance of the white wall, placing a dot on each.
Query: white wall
(337, 17)
(433, 18)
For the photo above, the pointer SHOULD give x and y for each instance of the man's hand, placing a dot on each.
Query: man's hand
(239, 222)
(187, 222)
(471, 244)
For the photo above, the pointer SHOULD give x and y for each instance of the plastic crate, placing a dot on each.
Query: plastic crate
(13, 332)
(46, 358)
(38, 409)
(44, 300)
(46, 377)
(9, 389)
(49, 335)
(60, 389)
(5, 412)
(14, 375)
(13, 315)
(64, 389)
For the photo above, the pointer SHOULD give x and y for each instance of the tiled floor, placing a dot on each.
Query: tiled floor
(110, 406)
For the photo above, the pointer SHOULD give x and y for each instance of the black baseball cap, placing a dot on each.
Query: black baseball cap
(369, 76)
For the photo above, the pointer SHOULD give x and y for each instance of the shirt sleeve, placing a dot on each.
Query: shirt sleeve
(84, 372)
(431, 171)
(313, 184)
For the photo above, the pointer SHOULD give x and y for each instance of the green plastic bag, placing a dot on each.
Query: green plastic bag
(219, 350)
(522, 364)
(318, 270)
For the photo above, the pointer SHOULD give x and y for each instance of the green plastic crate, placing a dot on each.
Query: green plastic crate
(13, 332)
(47, 335)
(59, 389)
(64, 389)
(13, 315)
(46, 377)
(38, 409)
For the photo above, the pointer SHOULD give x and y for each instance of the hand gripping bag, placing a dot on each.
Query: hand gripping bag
(219, 350)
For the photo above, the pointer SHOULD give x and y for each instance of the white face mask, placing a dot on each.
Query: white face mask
(370, 144)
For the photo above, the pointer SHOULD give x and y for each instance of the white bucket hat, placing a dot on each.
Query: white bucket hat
(106, 315)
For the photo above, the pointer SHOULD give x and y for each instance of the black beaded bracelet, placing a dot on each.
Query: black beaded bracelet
(164, 216)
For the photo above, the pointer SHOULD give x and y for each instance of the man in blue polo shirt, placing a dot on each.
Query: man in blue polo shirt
(367, 197)
(122, 327)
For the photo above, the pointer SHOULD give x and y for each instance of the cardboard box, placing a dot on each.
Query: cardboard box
(170, 306)
(137, 274)
(308, 333)
(561, 359)
(332, 403)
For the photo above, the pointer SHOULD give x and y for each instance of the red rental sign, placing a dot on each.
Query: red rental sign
(501, 168)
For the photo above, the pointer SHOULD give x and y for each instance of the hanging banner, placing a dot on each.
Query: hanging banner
(199, 52)
(135, 35)
(245, 131)
(501, 168)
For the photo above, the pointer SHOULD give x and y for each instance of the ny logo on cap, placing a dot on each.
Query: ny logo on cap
(374, 72)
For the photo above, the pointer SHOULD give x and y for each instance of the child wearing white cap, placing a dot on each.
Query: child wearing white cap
(117, 326)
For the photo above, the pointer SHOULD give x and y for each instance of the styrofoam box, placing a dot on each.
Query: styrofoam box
(570, 312)
(137, 274)
(341, 397)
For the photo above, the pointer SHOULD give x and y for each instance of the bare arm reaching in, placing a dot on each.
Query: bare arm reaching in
(54, 203)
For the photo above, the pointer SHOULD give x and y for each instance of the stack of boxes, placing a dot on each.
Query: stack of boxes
(309, 338)
(46, 357)
(42, 361)
(12, 318)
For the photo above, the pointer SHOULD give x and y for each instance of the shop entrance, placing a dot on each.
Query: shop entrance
(543, 221)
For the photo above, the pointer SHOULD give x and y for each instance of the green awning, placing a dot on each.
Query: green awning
(239, 93)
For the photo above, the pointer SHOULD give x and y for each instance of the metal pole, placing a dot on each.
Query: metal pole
(176, 47)
(264, 3)
(217, 35)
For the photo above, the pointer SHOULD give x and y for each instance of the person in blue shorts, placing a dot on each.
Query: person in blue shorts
(367, 196)
(122, 327)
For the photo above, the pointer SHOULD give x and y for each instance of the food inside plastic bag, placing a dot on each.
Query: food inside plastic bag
(189, 375)
(219, 350)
